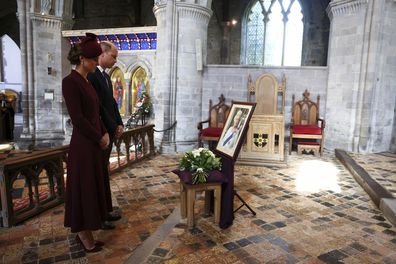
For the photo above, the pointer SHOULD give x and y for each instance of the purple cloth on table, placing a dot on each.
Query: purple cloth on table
(227, 188)
(213, 176)
(227, 192)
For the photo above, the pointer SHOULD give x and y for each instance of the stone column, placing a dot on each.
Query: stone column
(360, 99)
(26, 50)
(181, 52)
(41, 52)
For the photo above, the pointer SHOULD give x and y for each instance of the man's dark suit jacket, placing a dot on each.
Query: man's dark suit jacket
(108, 106)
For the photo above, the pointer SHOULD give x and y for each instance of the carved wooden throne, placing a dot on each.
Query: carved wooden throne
(218, 114)
(265, 137)
(305, 123)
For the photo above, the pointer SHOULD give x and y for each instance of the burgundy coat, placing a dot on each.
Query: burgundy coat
(85, 206)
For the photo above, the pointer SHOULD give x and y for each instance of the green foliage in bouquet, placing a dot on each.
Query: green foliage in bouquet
(143, 104)
(199, 162)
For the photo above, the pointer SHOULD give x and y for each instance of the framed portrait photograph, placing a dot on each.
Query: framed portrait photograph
(235, 128)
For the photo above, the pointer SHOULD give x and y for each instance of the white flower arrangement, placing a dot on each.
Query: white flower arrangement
(199, 162)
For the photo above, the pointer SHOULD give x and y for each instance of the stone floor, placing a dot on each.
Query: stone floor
(381, 167)
(311, 211)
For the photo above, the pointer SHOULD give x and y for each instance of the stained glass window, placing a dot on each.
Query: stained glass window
(131, 41)
(274, 31)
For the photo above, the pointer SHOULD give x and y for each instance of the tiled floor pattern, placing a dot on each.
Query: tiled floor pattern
(381, 167)
(311, 211)
(146, 194)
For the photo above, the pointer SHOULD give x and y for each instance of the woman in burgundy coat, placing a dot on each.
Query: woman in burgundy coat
(85, 206)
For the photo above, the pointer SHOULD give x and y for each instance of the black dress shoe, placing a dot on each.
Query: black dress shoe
(113, 216)
(106, 225)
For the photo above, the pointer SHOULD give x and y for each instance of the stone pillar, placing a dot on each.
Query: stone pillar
(26, 50)
(393, 141)
(41, 51)
(181, 52)
(360, 97)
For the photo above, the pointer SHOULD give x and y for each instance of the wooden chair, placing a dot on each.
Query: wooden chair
(305, 122)
(217, 117)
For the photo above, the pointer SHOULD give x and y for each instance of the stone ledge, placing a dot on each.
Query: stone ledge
(388, 207)
(380, 196)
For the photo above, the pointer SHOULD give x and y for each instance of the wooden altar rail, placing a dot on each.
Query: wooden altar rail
(134, 145)
(33, 170)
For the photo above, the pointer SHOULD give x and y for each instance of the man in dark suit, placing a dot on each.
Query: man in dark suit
(109, 113)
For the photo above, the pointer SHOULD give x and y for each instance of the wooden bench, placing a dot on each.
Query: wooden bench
(308, 147)
(188, 195)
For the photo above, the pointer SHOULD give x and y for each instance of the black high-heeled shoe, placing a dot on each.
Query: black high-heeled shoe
(99, 243)
(97, 248)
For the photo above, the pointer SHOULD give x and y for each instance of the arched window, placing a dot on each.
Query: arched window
(273, 32)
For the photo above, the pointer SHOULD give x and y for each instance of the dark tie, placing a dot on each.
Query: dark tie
(107, 80)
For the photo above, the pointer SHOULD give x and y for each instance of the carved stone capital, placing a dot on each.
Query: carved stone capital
(46, 21)
(193, 11)
(159, 10)
(160, 2)
(345, 7)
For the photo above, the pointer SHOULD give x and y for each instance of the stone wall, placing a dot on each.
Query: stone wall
(316, 33)
(232, 82)
(361, 75)
(393, 141)
(92, 14)
(214, 40)
(389, 70)
(47, 111)
(343, 85)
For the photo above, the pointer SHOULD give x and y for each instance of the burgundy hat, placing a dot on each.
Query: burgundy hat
(89, 46)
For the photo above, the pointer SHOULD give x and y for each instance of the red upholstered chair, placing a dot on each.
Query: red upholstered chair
(217, 116)
(305, 121)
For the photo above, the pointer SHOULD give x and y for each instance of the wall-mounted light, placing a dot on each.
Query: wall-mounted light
(232, 23)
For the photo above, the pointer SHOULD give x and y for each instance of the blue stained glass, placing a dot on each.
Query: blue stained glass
(124, 45)
(121, 36)
(152, 35)
(130, 41)
(74, 39)
(131, 36)
(102, 37)
(112, 37)
(134, 45)
(142, 35)
(144, 44)
(154, 44)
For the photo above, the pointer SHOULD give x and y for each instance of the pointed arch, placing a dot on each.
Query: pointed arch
(146, 65)
(268, 28)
